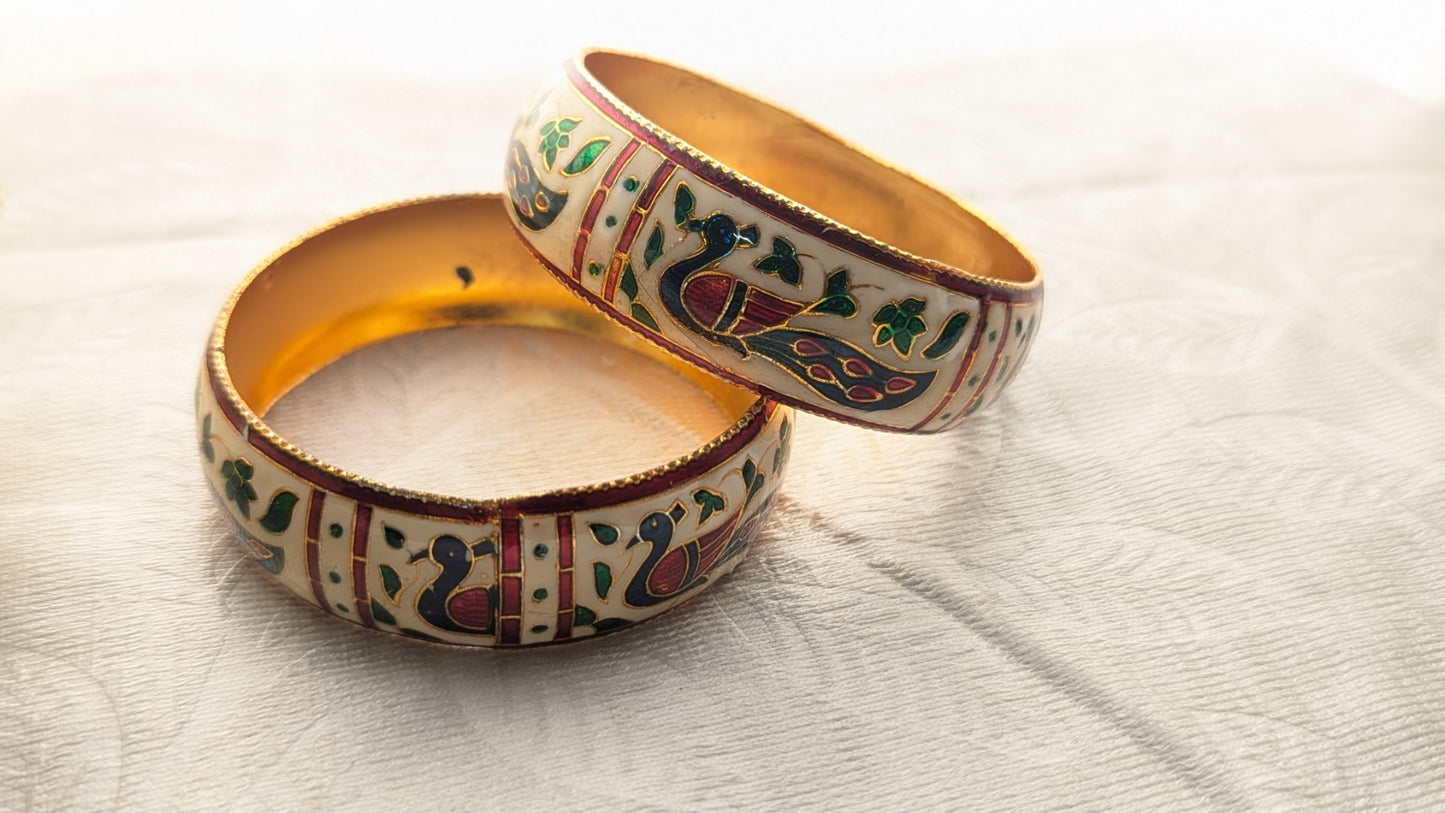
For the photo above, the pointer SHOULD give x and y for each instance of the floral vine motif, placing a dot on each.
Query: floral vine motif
(717, 306)
(239, 490)
(898, 324)
(555, 138)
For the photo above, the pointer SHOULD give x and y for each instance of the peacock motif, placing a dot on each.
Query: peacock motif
(536, 206)
(443, 603)
(727, 311)
(667, 573)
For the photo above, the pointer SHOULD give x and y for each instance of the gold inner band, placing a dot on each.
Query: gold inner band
(397, 271)
(801, 161)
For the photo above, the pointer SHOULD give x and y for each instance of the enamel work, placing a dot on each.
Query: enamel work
(530, 571)
(698, 260)
(534, 569)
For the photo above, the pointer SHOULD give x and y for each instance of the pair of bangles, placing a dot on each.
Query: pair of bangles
(766, 259)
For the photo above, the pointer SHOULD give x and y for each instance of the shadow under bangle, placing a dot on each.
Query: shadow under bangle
(765, 250)
(529, 569)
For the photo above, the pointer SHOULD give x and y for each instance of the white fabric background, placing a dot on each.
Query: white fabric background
(1192, 559)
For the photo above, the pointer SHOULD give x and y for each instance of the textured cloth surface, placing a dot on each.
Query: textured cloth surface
(1192, 558)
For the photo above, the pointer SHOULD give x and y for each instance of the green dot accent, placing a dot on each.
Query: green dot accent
(335, 530)
(540, 628)
(973, 382)
(343, 608)
(335, 577)
(540, 551)
(630, 184)
(610, 221)
(993, 335)
(539, 594)
(594, 269)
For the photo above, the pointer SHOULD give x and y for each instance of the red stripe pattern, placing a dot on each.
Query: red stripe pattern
(360, 533)
(633, 225)
(589, 218)
(964, 365)
(509, 615)
(565, 553)
(313, 546)
(973, 400)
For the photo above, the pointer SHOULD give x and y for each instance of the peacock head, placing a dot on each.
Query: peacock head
(658, 526)
(445, 550)
(721, 231)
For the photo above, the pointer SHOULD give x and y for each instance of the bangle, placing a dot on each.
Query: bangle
(520, 570)
(765, 250)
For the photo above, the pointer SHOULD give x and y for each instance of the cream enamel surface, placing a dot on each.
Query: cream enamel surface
(1190, 559)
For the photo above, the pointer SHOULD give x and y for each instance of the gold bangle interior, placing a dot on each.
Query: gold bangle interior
(396, 271)
(801, 161)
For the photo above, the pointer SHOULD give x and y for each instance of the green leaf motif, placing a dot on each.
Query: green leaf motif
(602, 532)
(629, 282)
(644, 316)
(394, 539)
(682, 204)
(899, 324)
(237, 474)
(710, 501)
(649, 254)
(206, 448)
(948, 337)
(602, 576)
(390, 581)
(278, 514)
(586, 156)
(750, 472)
(837, 299)
(554, 138)
(381, 614)
(785, 434)
(783, 262)
(583, 617)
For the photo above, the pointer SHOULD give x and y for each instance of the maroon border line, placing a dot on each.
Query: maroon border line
(734, 185)
(554, 503)
(360, 533)
(313, 547)
(509, 577)
(566, 602)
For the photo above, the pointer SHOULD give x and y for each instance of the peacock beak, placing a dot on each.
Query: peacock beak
(633, 541)
(748, 236)
(417, 557)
